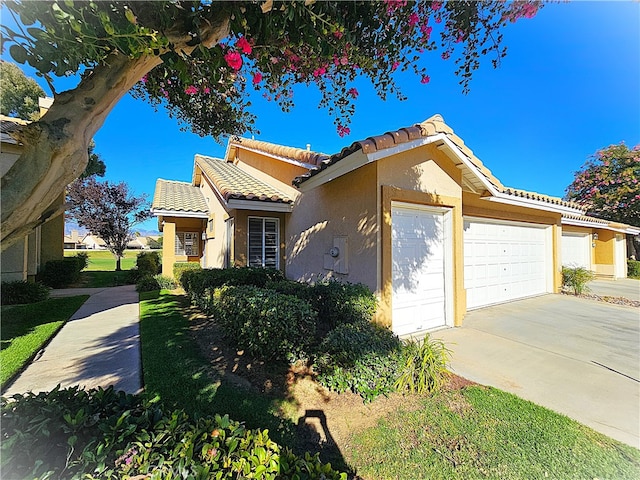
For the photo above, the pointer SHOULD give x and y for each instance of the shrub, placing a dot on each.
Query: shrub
(64, 272)
(18, 292)
(633, 268)
(149, 283)
(576, 279)
(303, 291)
(82, 259)
(363, 358)
(424, 366)
(199, 284)
(74, 433)
(148, 263)
(265, 323)
(180, 267)
(338, 303)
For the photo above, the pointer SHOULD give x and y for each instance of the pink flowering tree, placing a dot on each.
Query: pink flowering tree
(196, 59)
(608, 186)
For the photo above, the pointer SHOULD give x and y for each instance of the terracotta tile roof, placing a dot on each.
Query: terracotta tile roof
(432, 126)
(585, 218)
(178, 197)
(234, 183)
(291, 153)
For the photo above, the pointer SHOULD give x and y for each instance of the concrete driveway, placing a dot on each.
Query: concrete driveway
(575, 356)
(623, 287)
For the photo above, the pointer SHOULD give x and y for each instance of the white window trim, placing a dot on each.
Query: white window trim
(183, 252)
(277, 220)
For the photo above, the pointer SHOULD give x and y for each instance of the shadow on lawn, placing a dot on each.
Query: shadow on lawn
(184, 377)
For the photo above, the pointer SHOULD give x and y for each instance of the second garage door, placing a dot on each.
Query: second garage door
(505, 261)
(576, 250)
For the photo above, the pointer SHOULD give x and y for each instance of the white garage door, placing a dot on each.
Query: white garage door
(420, 250)
(504, 261)
(576, 250)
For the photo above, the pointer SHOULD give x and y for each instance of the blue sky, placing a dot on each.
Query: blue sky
(570, 84)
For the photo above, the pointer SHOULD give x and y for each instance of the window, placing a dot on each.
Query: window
(264, 241)
(187, 243)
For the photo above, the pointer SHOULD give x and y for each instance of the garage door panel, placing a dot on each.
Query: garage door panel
(576, 250)
(504, 261)
(418, 269)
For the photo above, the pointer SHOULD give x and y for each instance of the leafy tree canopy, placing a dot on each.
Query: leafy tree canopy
(268, 45)
(108, 210)
(96, 165)
(608, 184)
(198, 58)
(19, 94)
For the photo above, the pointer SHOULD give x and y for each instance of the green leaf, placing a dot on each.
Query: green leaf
(18, 53)
(130, 16)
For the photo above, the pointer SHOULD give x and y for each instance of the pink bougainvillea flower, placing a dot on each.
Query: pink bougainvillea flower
(319, 71)
(338, 34)
(353, 92)
(445, 55)
(342, 130)
(233, 59)
(206, 90)
(144, 79)
(436, 6)
(244, 46)
(191, 90)
(413, 19)
(344, 61)
(257, 78)
(395, 65)
(425, 79)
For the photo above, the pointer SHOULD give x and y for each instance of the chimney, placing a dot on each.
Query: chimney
(74, 236)
(308, 147)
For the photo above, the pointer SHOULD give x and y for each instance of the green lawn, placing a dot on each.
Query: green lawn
(475, 432)
(26, 328)
(103, 260)
(102, 265)
(483, 432)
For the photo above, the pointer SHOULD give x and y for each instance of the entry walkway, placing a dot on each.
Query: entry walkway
(98, 347)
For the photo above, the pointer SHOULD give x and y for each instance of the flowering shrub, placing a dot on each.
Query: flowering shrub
(91, 434)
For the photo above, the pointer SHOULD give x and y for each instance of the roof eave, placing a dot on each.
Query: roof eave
(241, 204)
(178, 213)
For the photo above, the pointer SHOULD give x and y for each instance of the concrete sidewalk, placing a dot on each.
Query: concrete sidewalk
(98, 346)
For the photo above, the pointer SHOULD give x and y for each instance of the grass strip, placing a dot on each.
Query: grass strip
(482, 432)
(27, 328)
(176, 371)
(103, 260)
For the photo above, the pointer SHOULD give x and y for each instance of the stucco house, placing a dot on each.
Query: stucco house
(23, 260)
(412, 213)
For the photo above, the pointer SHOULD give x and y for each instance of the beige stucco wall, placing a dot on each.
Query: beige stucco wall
(13, 261)
(604, 257)
(276, 173)
(343, 209)
(216, 237)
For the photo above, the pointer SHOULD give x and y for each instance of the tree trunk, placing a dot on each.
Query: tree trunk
(118, 264)
(55, 147)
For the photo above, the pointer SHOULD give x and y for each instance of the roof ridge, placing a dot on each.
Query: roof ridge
(296, 154)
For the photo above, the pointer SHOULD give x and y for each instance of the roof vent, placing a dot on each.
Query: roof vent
(308, 147)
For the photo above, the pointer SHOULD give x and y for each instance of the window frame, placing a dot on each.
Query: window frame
(263, 243)
(183, 251)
